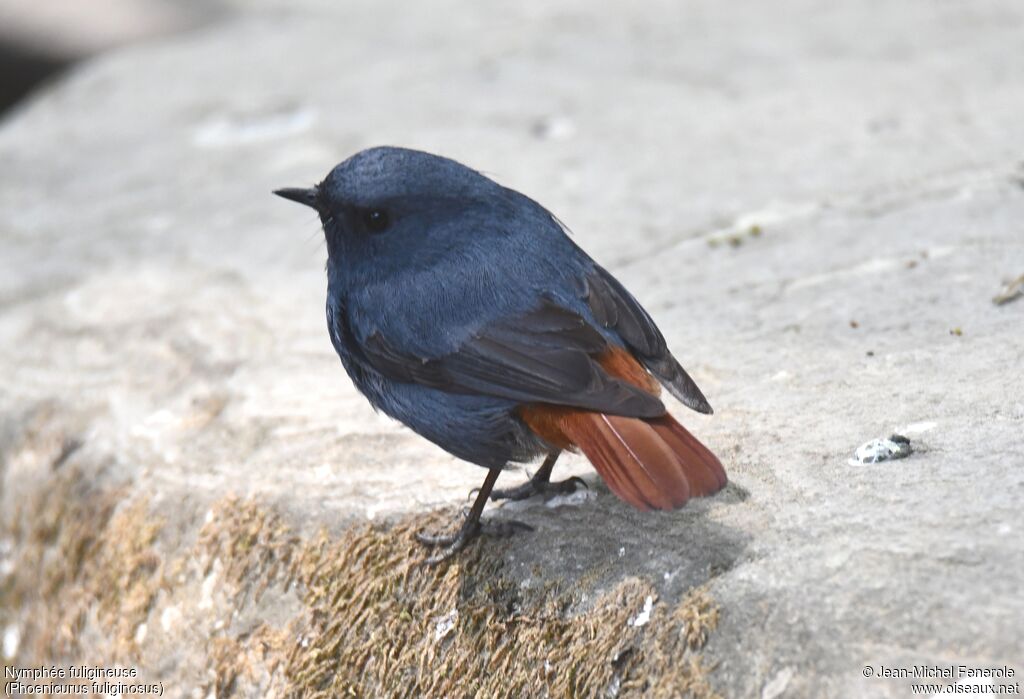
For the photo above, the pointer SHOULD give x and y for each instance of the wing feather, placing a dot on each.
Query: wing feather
(616, 309)
(545, 356)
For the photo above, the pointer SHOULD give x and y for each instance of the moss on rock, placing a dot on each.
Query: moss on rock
(377, 622)
(372, 620)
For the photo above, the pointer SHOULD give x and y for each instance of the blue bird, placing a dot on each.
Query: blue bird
(463, 310)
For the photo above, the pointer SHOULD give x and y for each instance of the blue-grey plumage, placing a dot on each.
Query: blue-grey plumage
(452, 301)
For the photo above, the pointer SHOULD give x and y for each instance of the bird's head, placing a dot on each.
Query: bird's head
(387, 207)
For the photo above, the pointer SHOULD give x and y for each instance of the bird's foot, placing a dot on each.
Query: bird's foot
(454, 542)
(535, 486)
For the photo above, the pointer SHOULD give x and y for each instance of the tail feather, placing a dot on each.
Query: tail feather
(606, 447)
(652, 464)
(706, 473)
(645, 461)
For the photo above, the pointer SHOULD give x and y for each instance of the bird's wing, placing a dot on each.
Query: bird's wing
(616, 309)
(548, 355)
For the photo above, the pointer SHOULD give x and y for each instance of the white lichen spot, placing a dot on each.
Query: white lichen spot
(169, 618)
(577, 497)
(12, 639)
(445, 625)
(777, 685)
(622, 551)
(208, 586)
(895, 447)
(140, 634)
(209, 517)
(644, 616)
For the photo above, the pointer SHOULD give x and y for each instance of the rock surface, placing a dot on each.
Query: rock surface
(817, 203)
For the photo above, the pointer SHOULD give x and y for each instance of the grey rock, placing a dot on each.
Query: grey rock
(162, 310)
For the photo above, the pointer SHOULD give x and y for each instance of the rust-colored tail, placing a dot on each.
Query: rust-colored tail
(653, 464)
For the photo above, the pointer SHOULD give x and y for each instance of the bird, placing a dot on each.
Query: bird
(464, 310)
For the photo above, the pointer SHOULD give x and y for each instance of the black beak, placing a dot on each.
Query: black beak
(309, 197)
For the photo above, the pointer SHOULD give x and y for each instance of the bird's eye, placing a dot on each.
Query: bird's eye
(375, 219)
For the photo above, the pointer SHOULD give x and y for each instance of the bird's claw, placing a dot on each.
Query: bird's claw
(466, 533)
(546, 488)
(454, 542)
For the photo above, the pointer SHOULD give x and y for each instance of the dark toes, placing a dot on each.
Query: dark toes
(546, 488)
(569, 485)
(453, 543)
(443, 555)
(521, 492)
(428, 539)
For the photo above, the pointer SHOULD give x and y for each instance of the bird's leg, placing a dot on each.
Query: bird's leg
(471, 526)
(540, 483)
